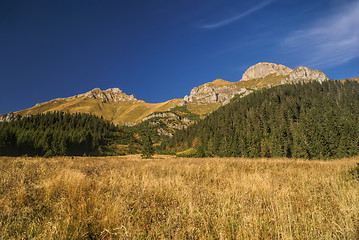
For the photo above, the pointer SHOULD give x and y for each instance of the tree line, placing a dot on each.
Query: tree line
(59, 133)
(311, 120)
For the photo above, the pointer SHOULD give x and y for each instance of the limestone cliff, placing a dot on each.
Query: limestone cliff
(304, 74)
(8, 117)
(263, 69)
(214, 93)
(111, 94)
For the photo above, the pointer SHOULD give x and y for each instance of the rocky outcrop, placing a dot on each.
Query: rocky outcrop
(162, 132)
(109, 95)
(299, 74)
(304, 74)
(205, 92)
(177, 126)
(9, 117)
(212, 93)
(180, 121)
(160, 115)
(167, 122)
(128, 124)
(263, 69)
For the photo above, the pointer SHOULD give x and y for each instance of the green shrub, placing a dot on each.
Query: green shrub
(191, 152)
(355, 172)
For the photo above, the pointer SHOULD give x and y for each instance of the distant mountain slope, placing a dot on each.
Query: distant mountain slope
(311, 120)
(111, 104)
(353, 79)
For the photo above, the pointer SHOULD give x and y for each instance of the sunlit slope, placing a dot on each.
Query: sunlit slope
(116, 112)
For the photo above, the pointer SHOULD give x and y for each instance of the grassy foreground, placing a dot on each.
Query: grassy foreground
(165, 197)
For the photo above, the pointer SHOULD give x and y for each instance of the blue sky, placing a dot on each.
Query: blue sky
(160, 49)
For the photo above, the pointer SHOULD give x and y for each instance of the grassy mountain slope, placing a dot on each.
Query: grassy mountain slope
(116, 112)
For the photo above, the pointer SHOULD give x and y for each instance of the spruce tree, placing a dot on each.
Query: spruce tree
(147, 147)
(131, 147)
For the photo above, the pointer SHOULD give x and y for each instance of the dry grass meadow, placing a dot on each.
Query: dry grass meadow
(175, 198)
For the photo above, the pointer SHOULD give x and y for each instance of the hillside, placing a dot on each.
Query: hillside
(112, 104)
(310, 120)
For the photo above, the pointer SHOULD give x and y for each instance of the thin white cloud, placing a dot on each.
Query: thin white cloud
(330, 41)
(237, 17)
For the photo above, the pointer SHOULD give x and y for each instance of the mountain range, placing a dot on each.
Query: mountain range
(273, 111)
(122, 109)
(166, 117)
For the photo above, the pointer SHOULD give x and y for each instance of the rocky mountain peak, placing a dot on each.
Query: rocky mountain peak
(217, 91)
(264, 69)
(268, 74)
(304, 74)
(114, 90)
(111, 94)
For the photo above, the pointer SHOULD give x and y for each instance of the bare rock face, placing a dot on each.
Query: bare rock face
(304, 74)
(161, 115)
(9, 117)
(214, 93)
(111, 94)
(264, 69)
(162, 132)
(204, 93)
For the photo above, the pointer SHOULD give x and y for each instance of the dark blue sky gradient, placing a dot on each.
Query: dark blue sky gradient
(160, 49)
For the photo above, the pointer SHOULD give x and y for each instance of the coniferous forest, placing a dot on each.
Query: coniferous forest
(58, 133)
(311, 120)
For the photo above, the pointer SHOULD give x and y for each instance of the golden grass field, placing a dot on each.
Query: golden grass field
(175, 198)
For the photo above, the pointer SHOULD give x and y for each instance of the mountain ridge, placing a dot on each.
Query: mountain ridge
(116, 106)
